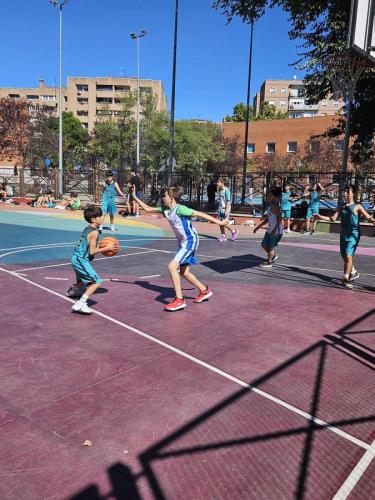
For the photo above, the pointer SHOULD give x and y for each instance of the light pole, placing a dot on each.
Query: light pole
(136, 36)
(60, 4)
(171, 127)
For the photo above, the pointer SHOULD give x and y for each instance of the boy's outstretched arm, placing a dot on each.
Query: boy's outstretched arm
(328, 218)
(366, 215)
(262, 222)
(119, 190)
(210, 219)
(145, 207)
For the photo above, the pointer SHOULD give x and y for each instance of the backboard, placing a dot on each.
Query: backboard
(361, 36)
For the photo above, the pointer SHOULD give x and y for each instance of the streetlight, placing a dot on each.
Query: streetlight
(60, 4)
(135, 36)
(171, 127)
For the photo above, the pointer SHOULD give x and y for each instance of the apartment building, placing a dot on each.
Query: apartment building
(281, 137)
(90, 99)
(289, 96)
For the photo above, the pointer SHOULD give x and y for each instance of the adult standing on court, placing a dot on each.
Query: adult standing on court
(109, 199)
(135, 180)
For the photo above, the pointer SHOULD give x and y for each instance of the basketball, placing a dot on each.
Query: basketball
(107, 241)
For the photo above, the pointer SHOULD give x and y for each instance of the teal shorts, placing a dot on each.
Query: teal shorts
(285, 214)
(84, 271)
(311, 211)
(108, 207)
(270, 242)
(348, 244)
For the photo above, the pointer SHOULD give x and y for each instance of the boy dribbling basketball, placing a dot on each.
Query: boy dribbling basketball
(83, 253)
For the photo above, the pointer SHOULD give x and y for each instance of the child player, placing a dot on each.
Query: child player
(312, 192)
(83, 253)
(350, 233)
(275, 227)
(179, 218)
(109, 198)
(224, 210)
(286, 206)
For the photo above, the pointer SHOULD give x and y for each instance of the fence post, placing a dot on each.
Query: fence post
(21, 181)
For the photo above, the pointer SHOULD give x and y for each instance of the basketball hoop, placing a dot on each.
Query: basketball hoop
(344, 70)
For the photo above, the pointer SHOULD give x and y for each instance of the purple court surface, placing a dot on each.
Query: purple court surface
(266, 391)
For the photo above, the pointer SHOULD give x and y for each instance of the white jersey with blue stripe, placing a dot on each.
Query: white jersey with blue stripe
(182, 226)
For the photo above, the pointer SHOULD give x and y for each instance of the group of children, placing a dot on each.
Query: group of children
(179, 217)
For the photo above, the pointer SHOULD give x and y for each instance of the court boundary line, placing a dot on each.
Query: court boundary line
(355, 475)
(208, 366)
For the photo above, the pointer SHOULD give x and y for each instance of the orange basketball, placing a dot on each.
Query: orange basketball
(107, 241)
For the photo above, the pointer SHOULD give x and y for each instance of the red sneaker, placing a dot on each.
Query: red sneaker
(205, 295)
(175, 305)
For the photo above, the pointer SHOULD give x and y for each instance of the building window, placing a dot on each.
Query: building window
(315, 146)
(270, 147)
(14, 96)
(283, 90)
(32, 97)
(104, 112)
(251, 148)
(282, 103)
(336, 103)
(145, 90)
(82, 113)
(271, 103)
(104, 100)
(292, 147)
(104, 88)
(122, 88)
(82, 88)
(272, 90)
(324, 102)
(85, 125)
(48, 97)
(82, 100)
(338, 146)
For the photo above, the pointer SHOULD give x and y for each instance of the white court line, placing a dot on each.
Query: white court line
(152, 276)
(212, 368)
(356, 474)
(45, 245)
(69, 263)
(57, 279)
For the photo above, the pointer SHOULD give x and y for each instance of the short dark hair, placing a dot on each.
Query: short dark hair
(73, 194)
(276, 191)
(109, 173)
(175, 192)
(91, 212)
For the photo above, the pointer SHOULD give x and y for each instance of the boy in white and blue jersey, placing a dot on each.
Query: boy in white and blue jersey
(275, 227)
(83, 254)
(110, 189)
(179, 218)
(224, 210)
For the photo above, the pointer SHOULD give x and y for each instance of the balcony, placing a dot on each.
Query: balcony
(303, 106)
(104, 88)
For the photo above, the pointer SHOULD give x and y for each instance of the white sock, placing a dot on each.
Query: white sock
(346, 276)
(84, 299)
(353, 271)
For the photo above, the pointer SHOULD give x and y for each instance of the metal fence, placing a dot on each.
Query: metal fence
(199, 191)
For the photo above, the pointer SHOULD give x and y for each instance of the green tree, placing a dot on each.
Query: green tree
(269, 112)
(322, 26)
(239, 113)
(105, 143)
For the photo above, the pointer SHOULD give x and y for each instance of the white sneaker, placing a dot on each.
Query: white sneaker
(287, 230)
(113, 228)
(82, 308)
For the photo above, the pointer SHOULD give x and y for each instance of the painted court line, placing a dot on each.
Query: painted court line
(356, 474)
(69, 264)
(57, 279)
(212, 368)
(152, 276)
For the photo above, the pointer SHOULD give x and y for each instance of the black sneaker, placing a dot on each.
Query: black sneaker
(75, 293)
(346, 284)
(266, 264)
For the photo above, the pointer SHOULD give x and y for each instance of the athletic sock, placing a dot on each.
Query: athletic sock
(84, 299)
(346, 277)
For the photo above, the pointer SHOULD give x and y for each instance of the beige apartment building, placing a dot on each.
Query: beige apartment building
(90, 99)
(289, 96)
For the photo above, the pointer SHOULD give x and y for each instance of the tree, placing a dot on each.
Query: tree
(105, 143)
(15, 130)
(269, 112)
(323, 28)
(239, 113)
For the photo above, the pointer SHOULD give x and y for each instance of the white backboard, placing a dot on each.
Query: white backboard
(361, 37)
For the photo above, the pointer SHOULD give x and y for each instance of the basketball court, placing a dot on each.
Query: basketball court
(265, 391)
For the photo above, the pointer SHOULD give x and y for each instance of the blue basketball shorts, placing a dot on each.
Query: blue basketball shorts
(84, 271)
(270, 242)
(108, 207)
(348, 244)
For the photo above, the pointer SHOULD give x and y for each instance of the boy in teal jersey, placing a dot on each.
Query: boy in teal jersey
(83, 253)
(224, 210)
(312, 192)
(179, 218)
(275, 227)
(109, 199)
(286, 206)
(350, 232)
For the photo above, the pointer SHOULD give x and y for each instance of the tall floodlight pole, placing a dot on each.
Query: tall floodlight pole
(171, 127)
(136, 36)
(60, 4)
(243, 194)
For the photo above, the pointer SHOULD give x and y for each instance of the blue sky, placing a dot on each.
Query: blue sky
(212, 56)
